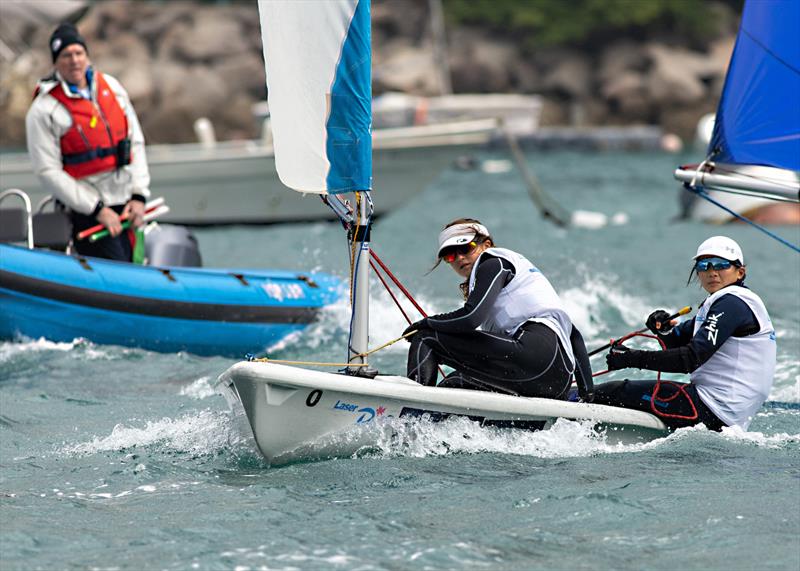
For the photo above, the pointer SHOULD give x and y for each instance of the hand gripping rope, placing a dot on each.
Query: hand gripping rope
(680, 388)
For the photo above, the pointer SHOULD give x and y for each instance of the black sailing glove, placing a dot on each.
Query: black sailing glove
(659, 322)
(620, 357)
(416, 326)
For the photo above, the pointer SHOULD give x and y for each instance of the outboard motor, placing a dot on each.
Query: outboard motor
(167, 245)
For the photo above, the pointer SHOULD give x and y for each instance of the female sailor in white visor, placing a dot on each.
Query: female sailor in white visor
(512, 334)
(728, 349)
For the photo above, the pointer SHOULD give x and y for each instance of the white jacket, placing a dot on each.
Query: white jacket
(527, 297)
(47, 121)
(737, 378)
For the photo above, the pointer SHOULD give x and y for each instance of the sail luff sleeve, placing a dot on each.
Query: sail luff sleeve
(310, 51)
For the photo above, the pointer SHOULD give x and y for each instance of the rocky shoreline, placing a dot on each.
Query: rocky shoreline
(184, 60)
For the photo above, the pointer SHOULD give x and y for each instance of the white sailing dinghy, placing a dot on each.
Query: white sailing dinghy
(318, 60)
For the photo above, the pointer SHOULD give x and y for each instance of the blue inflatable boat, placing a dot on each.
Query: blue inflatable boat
(200, 310)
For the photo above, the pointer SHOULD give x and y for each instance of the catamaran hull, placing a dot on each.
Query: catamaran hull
(298, 414)
(201, 311)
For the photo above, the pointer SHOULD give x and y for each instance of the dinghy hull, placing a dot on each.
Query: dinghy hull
(201, 311)
(298, 414)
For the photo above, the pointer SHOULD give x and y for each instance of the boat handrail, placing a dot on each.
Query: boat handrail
(28, 211)
(44, 202)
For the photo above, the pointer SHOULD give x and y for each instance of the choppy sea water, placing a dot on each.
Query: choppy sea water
(117, 458)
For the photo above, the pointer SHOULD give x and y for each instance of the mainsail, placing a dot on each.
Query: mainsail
(318, 62)
(755, 146)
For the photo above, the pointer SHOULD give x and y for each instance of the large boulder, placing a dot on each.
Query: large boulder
(571, 77)
(627, 96)
(128, 59)
(407, 68)
(211, 35)
(243, 73)
(677, 75)
(479, 63)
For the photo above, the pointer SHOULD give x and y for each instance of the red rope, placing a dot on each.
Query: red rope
(402, 288)
(391, 294)
(397, 282)
(680, 387)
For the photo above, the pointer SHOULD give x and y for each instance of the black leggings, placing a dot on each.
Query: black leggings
(638, 395)
(531, 364)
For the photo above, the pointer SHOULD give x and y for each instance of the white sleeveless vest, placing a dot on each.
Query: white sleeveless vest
(736, 380)
(527, 297)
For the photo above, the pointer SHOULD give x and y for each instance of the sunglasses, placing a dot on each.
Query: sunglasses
(712, 264)
(449, 255)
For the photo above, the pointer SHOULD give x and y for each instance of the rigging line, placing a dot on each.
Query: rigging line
(703, 194)
(399, 285)
(391, 294)
(405, 291)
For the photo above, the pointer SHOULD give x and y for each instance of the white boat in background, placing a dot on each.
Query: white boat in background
(752, 164)
(319, 88)
(520, 114)
(235, 182)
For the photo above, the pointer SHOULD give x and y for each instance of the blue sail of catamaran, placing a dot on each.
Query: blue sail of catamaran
(755, 146)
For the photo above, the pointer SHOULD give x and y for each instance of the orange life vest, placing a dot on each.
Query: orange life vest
(90, 145)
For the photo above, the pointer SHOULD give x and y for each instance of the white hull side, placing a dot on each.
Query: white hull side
(294, 413)
(236, 182)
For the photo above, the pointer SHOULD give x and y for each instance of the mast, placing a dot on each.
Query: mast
(359, 327)
(317, 56)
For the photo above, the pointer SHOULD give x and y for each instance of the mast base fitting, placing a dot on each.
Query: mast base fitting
(364, 372)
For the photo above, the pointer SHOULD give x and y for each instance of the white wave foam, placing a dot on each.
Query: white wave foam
(585, 303)
(565, 439)
(86, 350)
(201, 433)
(385, 323)
(736, 434)
(787, 381)
(200, 389)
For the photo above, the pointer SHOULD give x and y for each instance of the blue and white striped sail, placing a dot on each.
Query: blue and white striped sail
(318, 63)
(758, 119)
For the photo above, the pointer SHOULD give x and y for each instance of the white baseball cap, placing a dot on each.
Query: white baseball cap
(720, 246)
(459, 234)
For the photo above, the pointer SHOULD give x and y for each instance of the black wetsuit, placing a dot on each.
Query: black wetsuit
(531, 363)
(684, 353)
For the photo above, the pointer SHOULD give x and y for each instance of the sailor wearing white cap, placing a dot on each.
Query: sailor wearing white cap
(512, 335)
(729, 350)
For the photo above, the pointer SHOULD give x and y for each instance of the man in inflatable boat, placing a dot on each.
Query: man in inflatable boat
(87, 148)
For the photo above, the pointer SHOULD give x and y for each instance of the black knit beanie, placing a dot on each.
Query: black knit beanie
(65, 35)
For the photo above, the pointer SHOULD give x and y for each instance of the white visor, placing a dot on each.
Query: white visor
(460, 234)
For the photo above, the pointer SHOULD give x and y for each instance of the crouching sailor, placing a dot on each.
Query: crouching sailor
(729, 350)
(526, 344)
